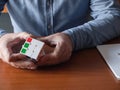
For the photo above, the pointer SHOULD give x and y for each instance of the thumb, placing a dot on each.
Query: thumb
(24, 64)
(43, 39)
(48, 40)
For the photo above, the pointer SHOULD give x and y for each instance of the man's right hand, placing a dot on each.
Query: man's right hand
(10, 45)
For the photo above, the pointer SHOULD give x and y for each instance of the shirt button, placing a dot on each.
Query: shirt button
(48, 3)
(49, 26)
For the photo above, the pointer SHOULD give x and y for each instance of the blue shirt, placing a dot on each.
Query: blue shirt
(87, 22)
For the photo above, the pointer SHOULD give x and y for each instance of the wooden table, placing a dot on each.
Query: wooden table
(86, 70)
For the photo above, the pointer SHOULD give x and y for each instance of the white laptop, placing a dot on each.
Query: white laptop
(111, 54)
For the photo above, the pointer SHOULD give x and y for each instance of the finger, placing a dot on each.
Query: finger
(54, 57)
(5, 54)
(47, 40)
(16, 57)
(37, 37)
(44, 39)
(24, 35)
(24, 64)
(46, 60)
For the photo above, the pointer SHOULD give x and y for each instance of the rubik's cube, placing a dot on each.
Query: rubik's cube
(32, 48)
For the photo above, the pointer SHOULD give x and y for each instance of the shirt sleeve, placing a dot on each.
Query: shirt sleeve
(104, 26)
(2, 3)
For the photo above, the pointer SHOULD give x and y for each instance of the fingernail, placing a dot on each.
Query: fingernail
(32, 68)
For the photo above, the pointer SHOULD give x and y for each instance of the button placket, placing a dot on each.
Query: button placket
(49, 16)
(48, 3)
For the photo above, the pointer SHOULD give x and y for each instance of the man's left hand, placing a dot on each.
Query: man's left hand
(62, 49)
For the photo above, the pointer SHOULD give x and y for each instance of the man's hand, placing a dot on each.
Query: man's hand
(62, 49)
(10, 45)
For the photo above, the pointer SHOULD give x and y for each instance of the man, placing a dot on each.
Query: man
(68, 25)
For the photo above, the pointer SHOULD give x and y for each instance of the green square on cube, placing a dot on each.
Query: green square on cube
(23, 50)
(26, 45)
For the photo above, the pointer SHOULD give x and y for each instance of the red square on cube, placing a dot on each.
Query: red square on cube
(29, 39)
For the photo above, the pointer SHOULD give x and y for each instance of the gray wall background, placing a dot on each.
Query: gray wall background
(5, 22)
